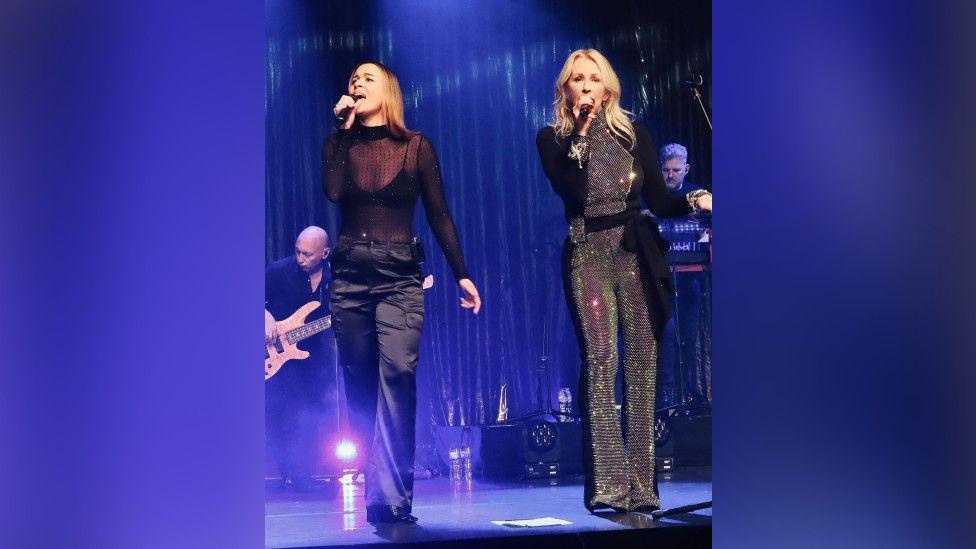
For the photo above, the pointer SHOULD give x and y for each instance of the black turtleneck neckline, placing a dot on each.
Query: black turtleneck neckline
(372, 133)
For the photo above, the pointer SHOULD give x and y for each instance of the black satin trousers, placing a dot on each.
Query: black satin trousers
(378, 315)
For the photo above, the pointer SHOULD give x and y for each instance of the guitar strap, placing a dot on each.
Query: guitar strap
(322, 284)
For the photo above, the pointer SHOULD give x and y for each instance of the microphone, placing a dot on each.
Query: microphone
(693, 80)
(585, 109)
(341, 117)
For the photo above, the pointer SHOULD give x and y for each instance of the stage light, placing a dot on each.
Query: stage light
(345, 450)
(542, 436)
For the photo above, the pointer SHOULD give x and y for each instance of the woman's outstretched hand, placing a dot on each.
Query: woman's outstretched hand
(704, 203)
(470, 299)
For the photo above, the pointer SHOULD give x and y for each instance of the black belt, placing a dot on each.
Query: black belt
(640, 237)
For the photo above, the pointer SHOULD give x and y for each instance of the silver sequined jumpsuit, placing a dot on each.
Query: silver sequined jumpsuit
(607, 295)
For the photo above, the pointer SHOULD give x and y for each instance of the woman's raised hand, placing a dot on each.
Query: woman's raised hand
(704, 202)
(346, 103)
(581, 124)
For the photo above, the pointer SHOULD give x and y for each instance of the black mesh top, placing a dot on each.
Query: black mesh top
(376, 180)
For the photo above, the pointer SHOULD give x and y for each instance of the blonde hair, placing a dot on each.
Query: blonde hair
(393, 103)
(617, 117)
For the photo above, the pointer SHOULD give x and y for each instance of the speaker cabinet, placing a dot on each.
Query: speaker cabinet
(531, 450)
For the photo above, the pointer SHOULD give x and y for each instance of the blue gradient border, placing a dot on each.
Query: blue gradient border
(132, 218)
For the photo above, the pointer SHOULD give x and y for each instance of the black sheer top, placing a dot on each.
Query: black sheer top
(376, 179)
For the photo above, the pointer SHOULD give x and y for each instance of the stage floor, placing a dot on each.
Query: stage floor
(334, 515)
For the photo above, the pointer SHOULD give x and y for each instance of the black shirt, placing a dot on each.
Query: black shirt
(685, 188)
(376, 179)
(287, 288)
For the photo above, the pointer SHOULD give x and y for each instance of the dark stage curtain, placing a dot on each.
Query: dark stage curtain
(478, 81)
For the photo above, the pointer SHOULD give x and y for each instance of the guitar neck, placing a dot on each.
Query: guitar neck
(308, 330)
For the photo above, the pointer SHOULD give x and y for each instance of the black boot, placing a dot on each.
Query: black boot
(389, 514)
(600, 506)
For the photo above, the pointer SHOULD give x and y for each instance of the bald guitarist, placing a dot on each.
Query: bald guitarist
(296, 397)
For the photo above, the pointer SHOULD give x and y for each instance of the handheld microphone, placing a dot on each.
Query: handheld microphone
(693, 80)
(584, 111)
(341, 117)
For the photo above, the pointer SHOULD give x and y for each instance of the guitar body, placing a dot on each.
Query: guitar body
(281, 351)
(293, 330)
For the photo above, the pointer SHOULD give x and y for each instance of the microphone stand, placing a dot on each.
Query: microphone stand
(545, 408)
(697, 95)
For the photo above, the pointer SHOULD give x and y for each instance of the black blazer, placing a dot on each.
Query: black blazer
(569, 181)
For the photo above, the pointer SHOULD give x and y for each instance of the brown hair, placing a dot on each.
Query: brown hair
(393, 104)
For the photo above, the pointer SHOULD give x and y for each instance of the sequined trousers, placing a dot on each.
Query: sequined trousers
(607, 297)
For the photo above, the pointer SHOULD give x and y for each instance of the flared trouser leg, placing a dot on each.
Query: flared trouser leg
(640, 381)
(378, 315)
(607, 295)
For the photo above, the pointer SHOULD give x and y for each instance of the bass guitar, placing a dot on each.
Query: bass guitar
(290, 331)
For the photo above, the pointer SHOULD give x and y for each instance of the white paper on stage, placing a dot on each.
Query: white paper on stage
(532, 523)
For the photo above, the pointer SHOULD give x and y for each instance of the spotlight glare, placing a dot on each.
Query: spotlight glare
(345, 450)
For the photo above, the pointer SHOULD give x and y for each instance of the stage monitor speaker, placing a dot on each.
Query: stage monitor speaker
(531, 450)
(692, 441)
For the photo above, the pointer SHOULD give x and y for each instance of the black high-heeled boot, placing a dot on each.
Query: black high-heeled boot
(389, 514)
(600, 506)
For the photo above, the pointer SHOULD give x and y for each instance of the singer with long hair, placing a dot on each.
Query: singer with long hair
(376, 169)
(601, 164)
